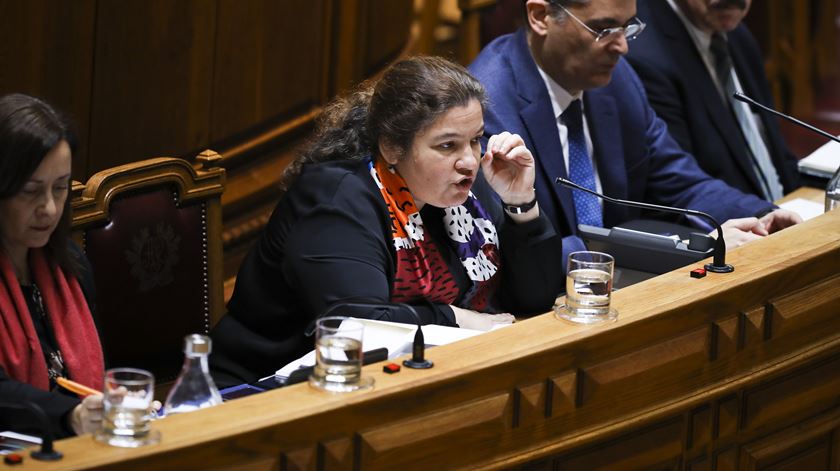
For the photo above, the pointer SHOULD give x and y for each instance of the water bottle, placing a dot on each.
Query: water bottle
(832, 192)
(194, 388)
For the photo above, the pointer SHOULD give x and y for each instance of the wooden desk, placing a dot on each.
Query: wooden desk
(807, 193)
(734, 371)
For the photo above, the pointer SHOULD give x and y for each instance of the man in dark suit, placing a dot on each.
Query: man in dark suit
(572, 50)
(677, 62)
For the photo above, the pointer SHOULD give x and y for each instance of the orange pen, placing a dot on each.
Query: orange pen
(75, 387)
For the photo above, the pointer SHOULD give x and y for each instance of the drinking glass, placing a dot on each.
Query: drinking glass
(589, 278)
(338, 355)
(127, 403)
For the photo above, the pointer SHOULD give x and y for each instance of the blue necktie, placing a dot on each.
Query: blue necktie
(587, 209)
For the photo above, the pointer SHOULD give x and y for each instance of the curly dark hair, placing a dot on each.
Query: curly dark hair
(408, 98)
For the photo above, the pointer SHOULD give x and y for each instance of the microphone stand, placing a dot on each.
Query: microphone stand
(741, 97)
(718, 264)
(832, 190)
(46, 452)
(418, 360)
(418, 347)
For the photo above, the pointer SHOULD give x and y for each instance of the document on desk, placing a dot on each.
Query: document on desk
(823, 162)
(13, 442)
(805, 208)
(398, 338)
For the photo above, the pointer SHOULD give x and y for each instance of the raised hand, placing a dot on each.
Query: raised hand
(509, 168)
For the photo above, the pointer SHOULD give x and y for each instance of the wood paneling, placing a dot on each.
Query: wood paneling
(299, 460)
(46, 50)
(799, 312)
(700, 432)
(152, 81)
(726, 338)
(531, 406)
(470, 428)
(144, 78)
(658, 447)
(802, 394)
(811, 445)
(386, 21)
(337, 454)
(565, 393)
(523, 396)
(269, 63)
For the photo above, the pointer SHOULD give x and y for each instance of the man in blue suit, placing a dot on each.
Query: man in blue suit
(675, 59)
(572, 50)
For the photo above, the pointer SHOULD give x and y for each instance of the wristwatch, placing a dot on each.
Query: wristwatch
(520, 208)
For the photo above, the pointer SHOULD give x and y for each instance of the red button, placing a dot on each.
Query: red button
(13, 458)
(391, 368)
(698, 273)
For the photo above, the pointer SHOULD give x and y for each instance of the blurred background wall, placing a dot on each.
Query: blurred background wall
(144, 78)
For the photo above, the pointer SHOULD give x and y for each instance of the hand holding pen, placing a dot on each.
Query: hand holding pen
(87, 416)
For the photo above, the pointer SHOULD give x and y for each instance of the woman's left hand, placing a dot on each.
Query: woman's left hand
(509, 168)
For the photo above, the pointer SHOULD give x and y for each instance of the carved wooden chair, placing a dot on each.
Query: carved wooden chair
(152, 232)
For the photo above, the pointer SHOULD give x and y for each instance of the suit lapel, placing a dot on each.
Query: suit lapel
(750, 86)
(605, 131)
(719, 112)
(539, 121)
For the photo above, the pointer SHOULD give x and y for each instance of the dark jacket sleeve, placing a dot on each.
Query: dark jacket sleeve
(532, 258)
(340, 254)
(326, 245)
(57, 407)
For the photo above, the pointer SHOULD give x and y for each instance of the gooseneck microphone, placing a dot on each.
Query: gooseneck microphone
(718, 264)
(741, 97)
(46, 452)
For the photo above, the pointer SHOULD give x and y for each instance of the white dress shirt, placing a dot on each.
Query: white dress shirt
(560, 100)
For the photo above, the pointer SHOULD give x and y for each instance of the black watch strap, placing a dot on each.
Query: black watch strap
(521, 208)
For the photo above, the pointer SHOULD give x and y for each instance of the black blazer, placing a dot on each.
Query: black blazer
(329, 241)
(682, 92)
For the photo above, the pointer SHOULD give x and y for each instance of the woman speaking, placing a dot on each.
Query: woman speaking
(393, 202)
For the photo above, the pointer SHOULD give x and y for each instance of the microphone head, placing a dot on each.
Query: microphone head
(743, 98)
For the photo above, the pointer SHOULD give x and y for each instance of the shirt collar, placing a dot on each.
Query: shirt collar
(560, 98)
(701, 38)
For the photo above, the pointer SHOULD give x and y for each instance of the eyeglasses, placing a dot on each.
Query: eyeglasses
(630, 31)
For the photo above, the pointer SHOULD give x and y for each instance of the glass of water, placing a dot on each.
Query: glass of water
(589, 278)
(127, 403)
(338, 355)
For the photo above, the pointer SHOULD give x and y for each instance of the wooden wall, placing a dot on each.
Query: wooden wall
(145, 78)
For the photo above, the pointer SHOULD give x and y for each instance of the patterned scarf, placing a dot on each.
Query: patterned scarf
(20, 349)
(421, 270)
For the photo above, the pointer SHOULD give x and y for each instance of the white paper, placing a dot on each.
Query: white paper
(823, 161)
(398, 338)
(805, 208)
(19, 436)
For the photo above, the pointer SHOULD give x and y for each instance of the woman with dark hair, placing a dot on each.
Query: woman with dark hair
(393, 203)
(47, 328)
